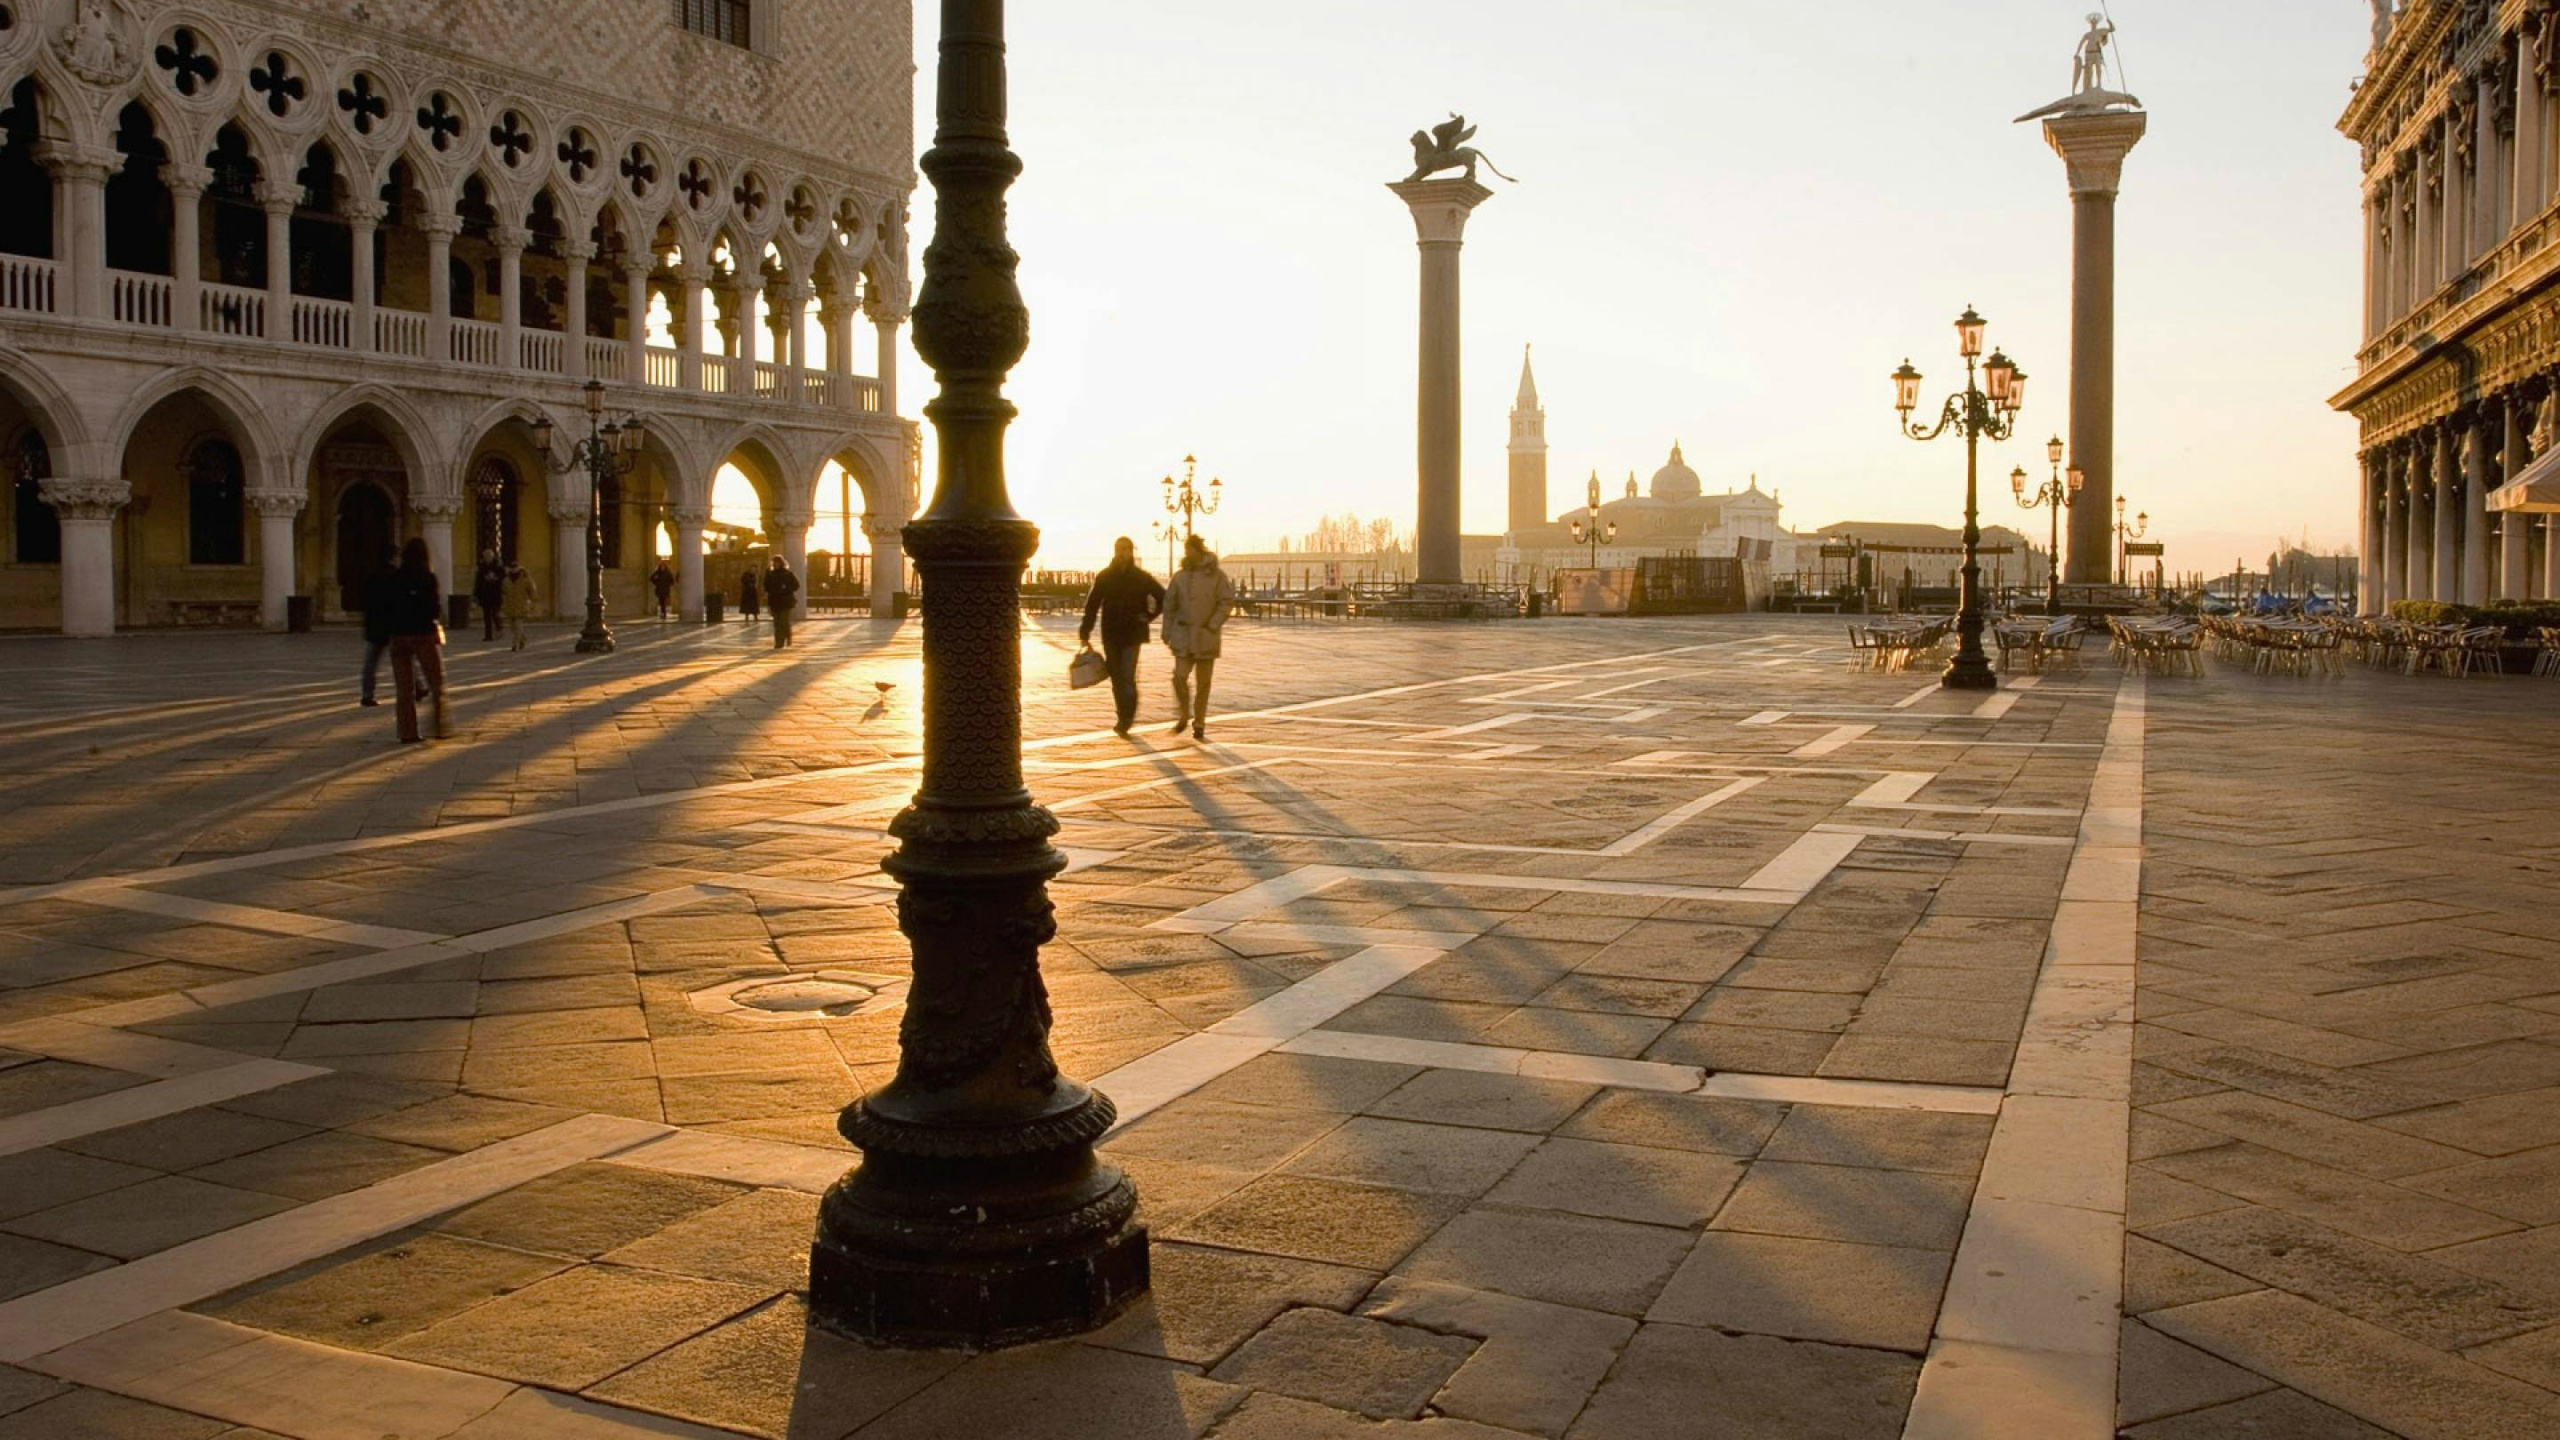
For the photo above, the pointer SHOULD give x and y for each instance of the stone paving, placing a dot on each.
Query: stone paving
(1581, 1029)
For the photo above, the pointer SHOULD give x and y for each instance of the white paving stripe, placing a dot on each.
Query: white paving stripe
(96, 1303)
(246, 917)
(2027, 1333)
(1837, 737)
(119, 1108)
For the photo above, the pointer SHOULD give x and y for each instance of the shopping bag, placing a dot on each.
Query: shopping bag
(1087, 669)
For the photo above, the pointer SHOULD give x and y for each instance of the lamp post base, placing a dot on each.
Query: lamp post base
(1970, 670)
(595, 642)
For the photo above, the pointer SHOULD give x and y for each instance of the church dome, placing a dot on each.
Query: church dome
(1676, 481)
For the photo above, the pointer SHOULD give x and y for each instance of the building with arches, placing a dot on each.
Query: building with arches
(283, 284)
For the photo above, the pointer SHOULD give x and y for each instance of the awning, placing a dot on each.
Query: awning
(2536, 491)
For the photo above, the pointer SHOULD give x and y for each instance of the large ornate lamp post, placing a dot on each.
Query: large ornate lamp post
(979, 1215)
(1588, 529)
(2135, 530)
(1187, 499)
(2051, 496)
(1987, 408)
(611, 449)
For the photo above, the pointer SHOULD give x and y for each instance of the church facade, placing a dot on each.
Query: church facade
(1671, 516)
(2458, 120)
(284, 283)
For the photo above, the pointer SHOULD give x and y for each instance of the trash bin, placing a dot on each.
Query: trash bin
(457, 613)
(1537, 605)
(902, 605)
(714, 606)
(297, 614)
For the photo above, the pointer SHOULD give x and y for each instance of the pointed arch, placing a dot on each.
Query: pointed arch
(55, 414)
(393, 413)
(227, 398)
(769, 461)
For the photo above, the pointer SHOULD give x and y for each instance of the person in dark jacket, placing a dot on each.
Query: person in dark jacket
(1124, 597)
(782, 596)
(489, 589)
(662, 583)
(377, 620)
(748, 596)
(415, 607)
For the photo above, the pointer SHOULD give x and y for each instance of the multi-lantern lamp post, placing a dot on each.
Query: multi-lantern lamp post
(2127, 531)
(2063, 489)
(1589, 529)
(1187, 498)
(611, 450)
(1986, 409)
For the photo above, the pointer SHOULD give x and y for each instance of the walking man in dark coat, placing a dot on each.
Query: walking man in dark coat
(489, 589)
(379, 596)
(1125, 598)
(782, 597)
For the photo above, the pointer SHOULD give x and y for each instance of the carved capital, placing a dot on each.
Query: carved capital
(563, 508)
(1440, 207)
(2093, 148)
(580, 250)
(75, 499)
(278, 197)
(363, 211)
(78, 164)
(186, 181)
(692, 517)
(436, 509)
(885, 310)
(509, 239)
(438, 227)
(791, 519)
(285, 503)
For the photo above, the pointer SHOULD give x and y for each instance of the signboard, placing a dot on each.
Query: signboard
(2144, 549)
(1838, 552)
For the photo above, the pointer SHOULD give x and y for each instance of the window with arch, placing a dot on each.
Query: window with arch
(217, 495)
(495, 488)
(38, 529)
(723, 20)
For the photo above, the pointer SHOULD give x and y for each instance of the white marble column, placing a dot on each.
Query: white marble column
(275, 510)
(2446, 551)
(2395, 521)
(790, 531)
(279, 198)
(434, 516)
(888, 564)
(364, 216)
(688, 523)
(80, 223)
(2512, 528)
(2093, 148)
(439, 230)
(87, 510)
(794, 353)
(635, 319)
(568, 554)
(510, 241)
(885, 319)
(186, 242)
(573, 339)
(745, 332)
(2369, 529)
(2472, 571)
(2531, 188)
(1440, 209)
(695, 278)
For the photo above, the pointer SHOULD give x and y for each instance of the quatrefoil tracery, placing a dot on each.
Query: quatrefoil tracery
(510, 139)
(695, 183)
(639, 171)
(191, 67)
(577, 152)
(275, 80)
(363, 102)
(439, 120)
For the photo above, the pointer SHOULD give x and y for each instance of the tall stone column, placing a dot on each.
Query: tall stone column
(885, 319)
(279, 199)
(568, 553)
(635, 320)
(510, 241)
(2445, 552)
(275, 510)
(80, 221)
(2093, 147)
(2531, 189)
(790, 530)
(434, 516)
(695, 277)
(364, 216)
(2421, 537)
(2473, 571)
(2369, 526)
(688, 522)
(87, 510)
(2395, 523)
(186, 242)
(1440, 209)
(573, 328)
(2515, 530)
(888, 567)
(980, 1214)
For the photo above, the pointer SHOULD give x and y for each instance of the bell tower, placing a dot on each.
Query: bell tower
(1528, 454)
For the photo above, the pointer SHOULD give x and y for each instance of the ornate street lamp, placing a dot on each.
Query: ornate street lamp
(1987, 408)
(611, 449)
(1186, 500)
(1589, 529)
(2052, 495)
(2140, 527)
(979, 1215)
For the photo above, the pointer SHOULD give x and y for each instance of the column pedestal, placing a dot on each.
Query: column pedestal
(2093, 147)
(87, 510)
(275, 511)
(1440, 209)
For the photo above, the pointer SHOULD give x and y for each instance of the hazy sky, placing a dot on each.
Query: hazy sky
(1733, 221)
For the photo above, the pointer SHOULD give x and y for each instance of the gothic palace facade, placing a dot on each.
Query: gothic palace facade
(2459, 119)
(283, 282)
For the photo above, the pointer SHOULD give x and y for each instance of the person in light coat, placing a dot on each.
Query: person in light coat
(517, 599)
(1195, 620)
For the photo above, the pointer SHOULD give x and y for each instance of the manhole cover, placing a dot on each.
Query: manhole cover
(826, 994)
(807, 997)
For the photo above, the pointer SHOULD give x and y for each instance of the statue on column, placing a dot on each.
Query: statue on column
(2089, 69)
(2381, 23)
(1444, 147)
